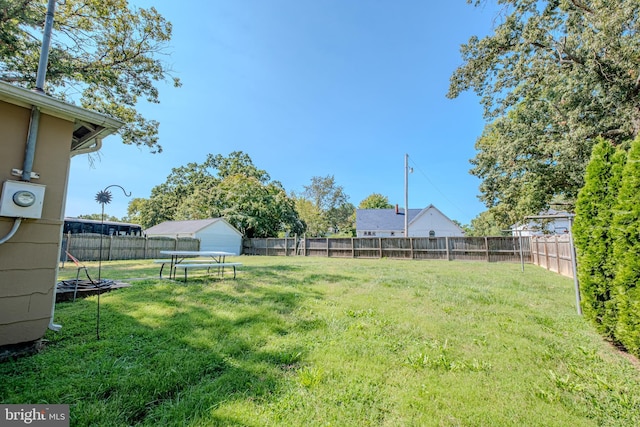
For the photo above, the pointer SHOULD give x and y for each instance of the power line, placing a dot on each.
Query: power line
(436, 188)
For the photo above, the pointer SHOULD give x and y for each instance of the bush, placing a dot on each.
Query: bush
(626, 234)
(593, 235)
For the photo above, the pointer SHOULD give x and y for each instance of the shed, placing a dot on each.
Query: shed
(215, 234)
(558, 222)
(31, 229)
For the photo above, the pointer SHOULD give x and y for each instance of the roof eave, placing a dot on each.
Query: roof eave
(95, 126)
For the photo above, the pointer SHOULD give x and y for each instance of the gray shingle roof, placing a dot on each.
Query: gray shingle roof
(383, 219)
(180, 227)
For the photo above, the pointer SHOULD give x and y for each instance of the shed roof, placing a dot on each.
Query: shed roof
(89, 127)
(182, 227)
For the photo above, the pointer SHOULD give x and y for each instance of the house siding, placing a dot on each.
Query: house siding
(433, 220)
(220, 236)
(390, 223)
(29, 260)
(217, 236)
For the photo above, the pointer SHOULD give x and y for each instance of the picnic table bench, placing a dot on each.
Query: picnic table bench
(219, 265)
(184, 260)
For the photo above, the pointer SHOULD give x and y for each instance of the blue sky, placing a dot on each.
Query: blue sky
(310, 88)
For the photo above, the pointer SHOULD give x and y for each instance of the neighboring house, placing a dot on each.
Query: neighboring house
(30, 246)
(558, 223)
(215, 234)
(427, 222)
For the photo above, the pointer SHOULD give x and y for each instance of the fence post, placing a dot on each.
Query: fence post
(546, 253)
(557, 255)
(110, 246)
(328, 251)
(411, 246)
(446, 242)
(380, 246)
(486, 247)
(353, 249)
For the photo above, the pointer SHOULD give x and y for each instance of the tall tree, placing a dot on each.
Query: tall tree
(105, 54)
(552, 77)
(330, 199)
(236, 163)
(375, 201)
(231, 187)
(488, 223)
(315, 223)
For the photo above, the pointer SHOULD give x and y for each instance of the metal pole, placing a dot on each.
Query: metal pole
(521, 255)
(574, 263)
(46, 42)
(406, 196)
(103, 197)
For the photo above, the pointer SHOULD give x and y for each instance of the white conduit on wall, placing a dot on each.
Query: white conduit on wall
(16, 225)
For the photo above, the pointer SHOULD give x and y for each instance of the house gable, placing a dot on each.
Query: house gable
(390, 223)
(431, 222)
(215, 234)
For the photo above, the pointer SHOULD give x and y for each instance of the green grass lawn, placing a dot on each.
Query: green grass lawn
(331, 342)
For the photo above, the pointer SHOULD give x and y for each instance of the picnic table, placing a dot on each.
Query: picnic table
(212, 259)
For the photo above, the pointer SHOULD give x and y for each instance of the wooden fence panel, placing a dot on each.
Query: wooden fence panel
(491, 249)
(468, 248)
(507, 249)
(396, 248)
(429, 248)
(130, 248)
(553, 253)
(366, 247)
(86, 247)
(341, 247)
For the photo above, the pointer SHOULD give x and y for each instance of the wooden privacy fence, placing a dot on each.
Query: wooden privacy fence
(553, 253)
(491, 249)
(86, 247)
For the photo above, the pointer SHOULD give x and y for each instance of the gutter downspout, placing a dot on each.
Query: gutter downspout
(29, 155)
(97, 146)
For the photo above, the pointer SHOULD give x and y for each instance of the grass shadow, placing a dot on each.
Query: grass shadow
(167, 351)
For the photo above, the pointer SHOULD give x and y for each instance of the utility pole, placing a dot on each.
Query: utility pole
(406, 196)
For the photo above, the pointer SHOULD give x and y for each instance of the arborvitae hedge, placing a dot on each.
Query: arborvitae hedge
(626, 234)
(593, 238)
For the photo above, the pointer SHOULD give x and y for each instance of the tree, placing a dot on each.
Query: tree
(375, 201)
(237, 163)
(98, 217)
(552, 77)
(593, 235)
(331, 200)
(315, 223)
(104, 50)
(230, 187)
(487, 223)
(254, 208)
(626, 252)
(343, 220)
